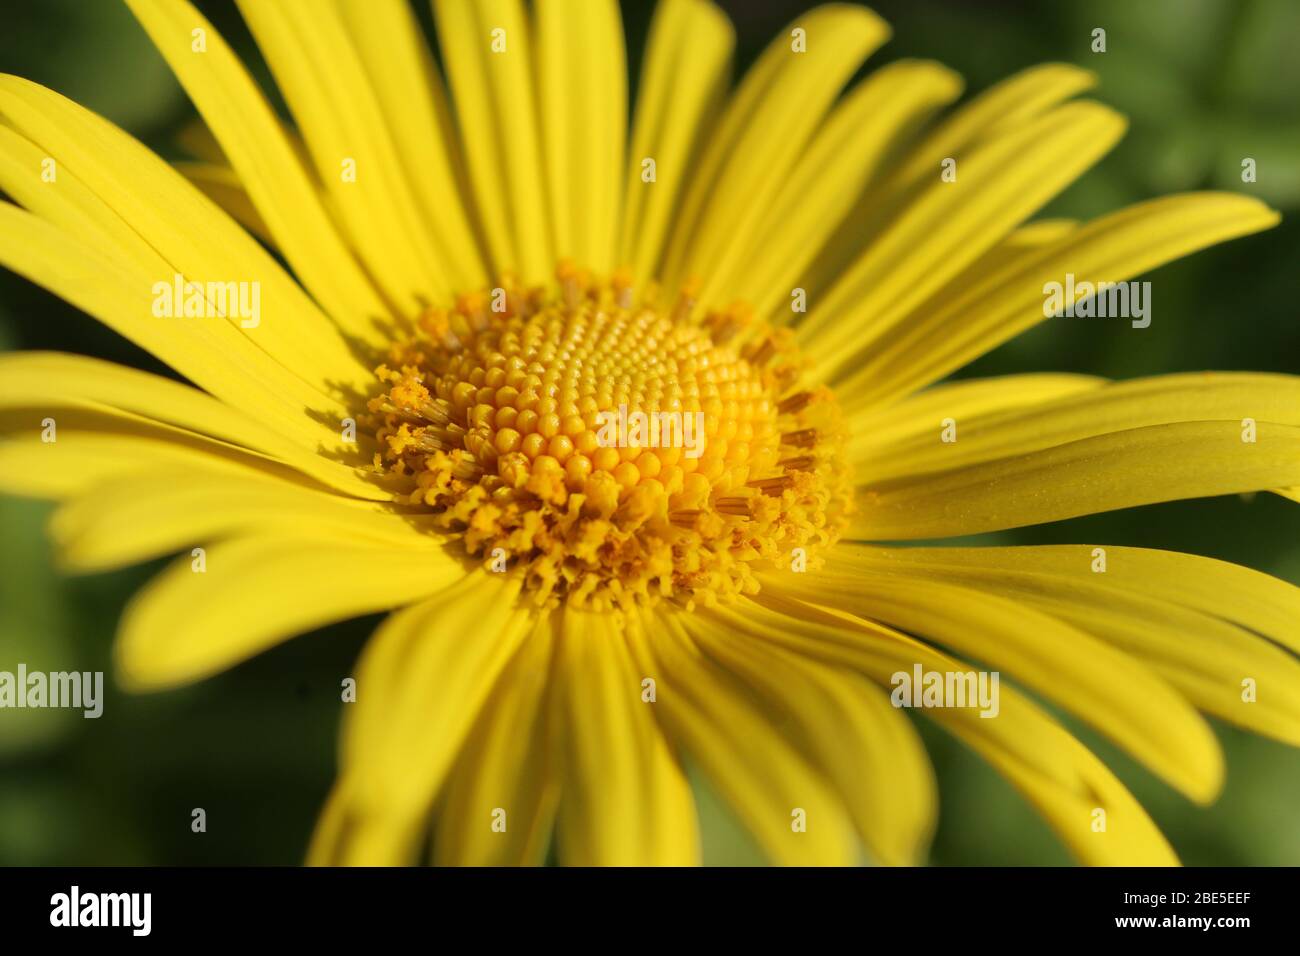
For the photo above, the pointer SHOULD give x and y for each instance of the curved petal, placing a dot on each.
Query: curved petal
(762, 776)
(194, 237)
(582, 93)
(1059, 777)
(508, 763)
(820, 191)
(767, 125)
(964, 321)
(875, 432)
(1017, 100)
(263, 161)
(422, 682)
(308, 49)
(91, 448)
(257, 591)
(865, 747)
(496, 112)
(1140, 466)
(212, 353)
(51, 382)
(1113, 691)
(1255, 600)
(414, 102)
(989, 433)
(1014, 101)
(73, 207)
(625, 799)
(224, 187)
(1173, 611)
(1000, 183)
(164, 510)
(684, 77)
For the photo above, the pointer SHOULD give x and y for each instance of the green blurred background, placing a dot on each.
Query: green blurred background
(1205, 83)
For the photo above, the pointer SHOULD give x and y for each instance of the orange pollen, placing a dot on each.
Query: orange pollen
(612, 452)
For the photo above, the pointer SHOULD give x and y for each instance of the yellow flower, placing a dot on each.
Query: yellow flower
(431, 407)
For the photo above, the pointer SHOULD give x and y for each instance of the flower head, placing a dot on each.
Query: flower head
(617, 419)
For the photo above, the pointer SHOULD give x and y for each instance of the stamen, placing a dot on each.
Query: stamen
(772, 485)
(794, 403)
(802, 463)
(764, 351)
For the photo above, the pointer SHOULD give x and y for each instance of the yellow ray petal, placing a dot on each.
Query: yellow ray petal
(414, 102)
(223, 186)
(496, 112)
(196, 139)
(508, 763)
(734, 742)
(984, 435)
(626, 801)
(72, 207)
(264, 162)
(1209, 661)
(422, 682)
(1125, 836)
(345, 836)
(582, 93)
(257, 591)
(948, 332)
(51, 381)
(1111, 690)
(91, 450)
(1173, 610)
(1015, 248)
(95, 445)
(1250, 598)
(166, 510)
(1140, 466)
(1014, 101)
(193, 236)
(874, 432)
(1205, 657)
(39, 378)
(1060, 777)
(755, 148)
(683, 78)
(820, 190)
(348, 834)
(999, 184)
(865, 747)
(1032, 235)
(211, 353)
(318, 70)
(75, 209)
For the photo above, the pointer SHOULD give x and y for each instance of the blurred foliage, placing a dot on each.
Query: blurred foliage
(1204, 82)
(93, 52)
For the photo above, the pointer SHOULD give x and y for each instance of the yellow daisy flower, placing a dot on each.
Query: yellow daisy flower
(464, 382)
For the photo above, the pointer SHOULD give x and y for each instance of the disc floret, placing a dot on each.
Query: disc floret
(611, 451)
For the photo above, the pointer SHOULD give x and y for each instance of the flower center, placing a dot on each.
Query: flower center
(614, 452)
